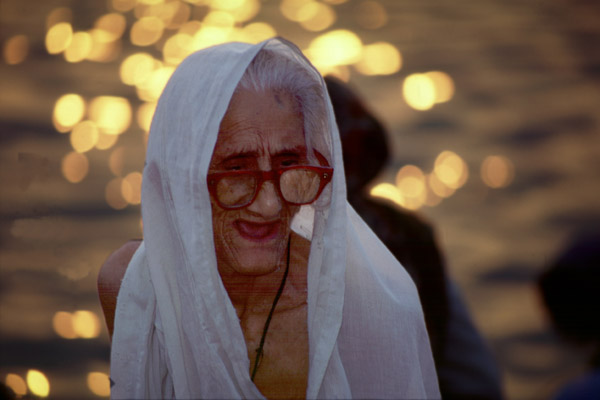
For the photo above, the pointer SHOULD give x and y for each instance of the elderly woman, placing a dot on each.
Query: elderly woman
(255, 278)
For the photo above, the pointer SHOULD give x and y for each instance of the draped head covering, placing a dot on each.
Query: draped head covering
(177, 334)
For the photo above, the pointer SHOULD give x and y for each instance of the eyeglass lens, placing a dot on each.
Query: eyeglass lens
(298, 186)
(236, 190)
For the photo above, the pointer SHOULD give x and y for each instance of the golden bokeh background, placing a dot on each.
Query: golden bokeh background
(492, 110)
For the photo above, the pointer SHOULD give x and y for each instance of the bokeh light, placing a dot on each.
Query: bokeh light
(438, 187)
(68, 111)
(151, 89)
(116, 161)
(15, 49)
(106, 141)
(131, 188)
(86, 324)
(190, 27)
(176, 48)
(84, 136)
(126, 190)
(179, 14)
(59, 37)
(114, 195)
(75, 167)
(370, 14)
(431, 198)
(80, 47)
(423, 90)
(38, 383)
(497, 171)
(379, 58)
(111, 114)
(227, 4)
(290, 9)
(147, 31)
(123, 5)
(337, 47)
(444, 85)
(99, 383)
(144, 115)
(410, 181)
(256, 32)
(341, 72)
(451, 169)
(62, 322)
(220, 19)
(419, 91)
(210, 36)
(110, 27)
(240, 10)
(58, 15)
(389, 192)
(17, 384)
(137, 68)
(103, 51)
(149, 2)
(315, 16)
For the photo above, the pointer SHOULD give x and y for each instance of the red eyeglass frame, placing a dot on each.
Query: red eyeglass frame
(326, 174)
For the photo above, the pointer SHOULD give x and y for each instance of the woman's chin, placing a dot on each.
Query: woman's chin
(248, 258)
(261, 267)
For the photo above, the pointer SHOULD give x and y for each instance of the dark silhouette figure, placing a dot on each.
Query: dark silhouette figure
(6, 393)
(570, 290)
(365, 151)
(412, 241)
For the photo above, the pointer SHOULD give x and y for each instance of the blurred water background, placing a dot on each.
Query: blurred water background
(493, 109)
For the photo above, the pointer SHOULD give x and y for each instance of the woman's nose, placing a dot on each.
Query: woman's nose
(268, 203)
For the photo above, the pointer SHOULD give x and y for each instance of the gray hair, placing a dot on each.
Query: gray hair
(276, 70)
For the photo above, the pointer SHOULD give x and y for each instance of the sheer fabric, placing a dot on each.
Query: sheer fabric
(177, 334)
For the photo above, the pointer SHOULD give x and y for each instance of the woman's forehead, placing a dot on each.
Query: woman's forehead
(261, 122)
(253, 143)
(252, 106)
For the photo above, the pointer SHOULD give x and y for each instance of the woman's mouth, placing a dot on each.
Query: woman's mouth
(257, 231)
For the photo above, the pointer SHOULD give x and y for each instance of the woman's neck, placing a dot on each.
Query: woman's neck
(254, 294)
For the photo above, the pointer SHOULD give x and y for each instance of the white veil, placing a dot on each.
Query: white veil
(176, 332)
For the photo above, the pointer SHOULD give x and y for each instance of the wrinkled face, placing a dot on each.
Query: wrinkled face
(260, 131)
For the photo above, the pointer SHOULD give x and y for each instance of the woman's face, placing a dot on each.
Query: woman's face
(260, 131)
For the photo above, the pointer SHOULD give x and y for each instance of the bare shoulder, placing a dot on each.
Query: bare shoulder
(112, 271)
(110, 277)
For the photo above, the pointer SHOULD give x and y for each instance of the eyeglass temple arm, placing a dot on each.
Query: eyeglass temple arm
(321, 158)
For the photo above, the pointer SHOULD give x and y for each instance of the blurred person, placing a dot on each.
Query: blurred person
(570, 292)
(255, 278)
(465, 366)
(6, 392)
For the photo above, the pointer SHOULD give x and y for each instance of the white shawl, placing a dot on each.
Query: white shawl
(177, 334)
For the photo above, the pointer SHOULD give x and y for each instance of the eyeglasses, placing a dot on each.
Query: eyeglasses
(297, 185)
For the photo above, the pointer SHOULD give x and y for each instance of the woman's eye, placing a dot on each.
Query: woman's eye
(289, 162)
(237, 165)
(238, 162)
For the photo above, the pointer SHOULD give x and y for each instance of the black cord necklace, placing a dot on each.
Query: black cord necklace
(259, 350)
